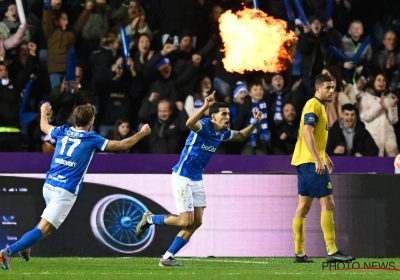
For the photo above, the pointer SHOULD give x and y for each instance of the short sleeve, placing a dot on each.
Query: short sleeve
(228, 134)
(99, 142)
(56, 132)
(310, 115)
(205, 126)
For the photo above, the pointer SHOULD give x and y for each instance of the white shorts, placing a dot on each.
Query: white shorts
(58, 204)
(187, 193)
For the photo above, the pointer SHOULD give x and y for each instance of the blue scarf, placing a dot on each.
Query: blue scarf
(278, 108)
(265, 134)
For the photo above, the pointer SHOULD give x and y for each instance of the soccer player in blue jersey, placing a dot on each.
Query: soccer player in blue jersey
(73, 153)
(187, 182)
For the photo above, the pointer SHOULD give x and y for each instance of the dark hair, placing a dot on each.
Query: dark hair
(321, 79)
(214, 109)
(371, 84)
(335, 72)
(349, 107)
(254, 84)
(107, 39)
(117, 124)
(197, 88)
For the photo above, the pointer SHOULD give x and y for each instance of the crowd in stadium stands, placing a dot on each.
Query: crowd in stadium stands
(176, 61)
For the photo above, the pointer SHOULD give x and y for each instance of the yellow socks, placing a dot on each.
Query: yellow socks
(328, 227)
(299, 235)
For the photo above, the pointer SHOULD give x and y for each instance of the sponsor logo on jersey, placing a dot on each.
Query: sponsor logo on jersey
(65, 162)
(209, 148)
(57, 179)
(74, 134)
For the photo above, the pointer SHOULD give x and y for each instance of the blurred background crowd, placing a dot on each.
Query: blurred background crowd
(175, 61)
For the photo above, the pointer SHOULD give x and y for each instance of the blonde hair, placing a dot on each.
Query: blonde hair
(83, 114)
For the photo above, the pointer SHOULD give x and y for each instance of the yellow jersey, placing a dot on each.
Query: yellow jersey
(313, 114)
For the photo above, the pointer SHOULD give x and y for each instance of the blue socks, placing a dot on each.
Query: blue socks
(26, 241)
(178, 243)
(158, 220)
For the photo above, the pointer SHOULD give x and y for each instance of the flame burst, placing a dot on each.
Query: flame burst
(254, 41)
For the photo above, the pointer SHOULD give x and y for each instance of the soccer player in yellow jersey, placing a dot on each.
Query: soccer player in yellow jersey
(313, 167)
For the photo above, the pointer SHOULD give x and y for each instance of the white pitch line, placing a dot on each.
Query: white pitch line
(227, 261)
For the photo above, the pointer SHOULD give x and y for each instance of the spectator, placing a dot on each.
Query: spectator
(313, 46)
(137, 23)
(378, 110)
(12, 42)
(343, 94)
(348, 136)
(260, 140)
(10, 24)
(104, 60)
(287, 130)
(168, 128)
(10, 128)
(276, 97)
(59, 40)
(98, 24)
(67, 96)
(194, 101)
(240, 92)
(122, 130)
(114, 96)
(387, 59)
(166, 84)
(350, 45)
(142, 54)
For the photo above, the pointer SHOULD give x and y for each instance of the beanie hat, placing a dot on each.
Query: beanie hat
(163, 61)
(312, 18)
(185, 33)
(240, 86)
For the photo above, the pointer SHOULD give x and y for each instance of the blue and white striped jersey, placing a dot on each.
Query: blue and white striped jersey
(198, 150)
(73, 153)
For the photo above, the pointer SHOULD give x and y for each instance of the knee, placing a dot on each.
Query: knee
(302, 210)
(197, 224)
(185, 222)
(330, 206)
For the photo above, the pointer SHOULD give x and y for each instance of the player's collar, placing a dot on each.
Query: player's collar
(319, 100)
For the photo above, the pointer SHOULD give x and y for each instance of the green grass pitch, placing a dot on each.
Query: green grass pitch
(195, 268)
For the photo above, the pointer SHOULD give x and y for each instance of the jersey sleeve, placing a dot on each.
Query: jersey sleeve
(205, 126)
(99, 142)
(228, 134)
(56, 132)
(311, 115)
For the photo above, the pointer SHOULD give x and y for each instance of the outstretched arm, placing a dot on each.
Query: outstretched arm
(192, 122)
(243, 134)
(44, 123)
(115, 146)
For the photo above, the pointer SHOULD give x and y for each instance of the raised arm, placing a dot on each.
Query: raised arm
(241, 135)
(115, 146)
(192, 122)
(44, 123)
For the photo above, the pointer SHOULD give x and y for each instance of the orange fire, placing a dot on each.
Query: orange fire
(254, 41)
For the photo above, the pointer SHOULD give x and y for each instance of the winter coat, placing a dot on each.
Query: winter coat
(379, 121)
(363, 142)
(59, 41)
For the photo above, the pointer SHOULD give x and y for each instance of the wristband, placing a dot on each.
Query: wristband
(254, 122)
